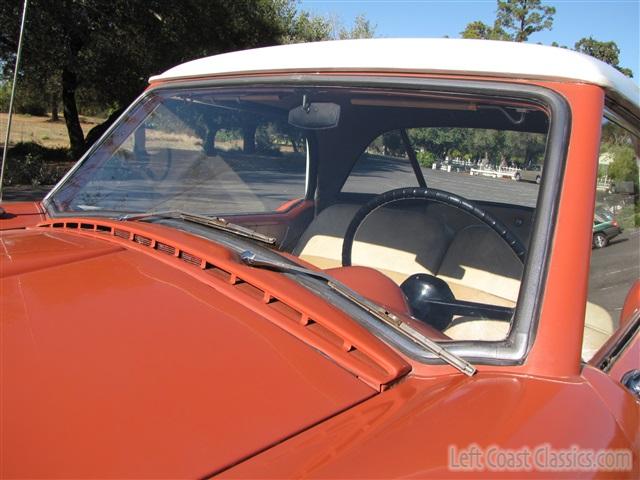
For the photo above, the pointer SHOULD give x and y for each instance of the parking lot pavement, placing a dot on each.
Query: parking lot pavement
(613, 270)
(500, 190)
(389, 173)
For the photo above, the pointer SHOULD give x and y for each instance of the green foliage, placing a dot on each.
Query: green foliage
(629, 216)
(612, 134)
(482, 31)
(440, 141)
(524, 148)
(266, 139)
(29, 170)
(516, 20)
(48, 154)
(624, 166)
(475, 144)
(28, 100)
(362, 28)
(521, 18)
(603, 171)
(608, 52)
(426, 159)
(392, 143)
(5, 96)
(306, 27)
(32, 164)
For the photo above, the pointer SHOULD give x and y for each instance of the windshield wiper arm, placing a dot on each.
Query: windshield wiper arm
(251, 259)
(213, 222)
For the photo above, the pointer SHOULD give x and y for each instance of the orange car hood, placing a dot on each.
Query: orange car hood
(116, 364)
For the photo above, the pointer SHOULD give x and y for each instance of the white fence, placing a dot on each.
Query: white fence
(500, 172)
(604, 184)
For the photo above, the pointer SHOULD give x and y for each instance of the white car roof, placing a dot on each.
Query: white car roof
(421, 55)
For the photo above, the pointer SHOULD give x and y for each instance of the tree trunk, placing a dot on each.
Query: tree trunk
(249, 139)
(54, 107)
(76, 137)
(293, 144)
(210, 142)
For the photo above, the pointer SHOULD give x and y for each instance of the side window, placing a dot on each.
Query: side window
(615, 258)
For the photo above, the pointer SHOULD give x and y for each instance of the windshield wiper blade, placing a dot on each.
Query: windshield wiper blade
(390, 319)
(213, 222)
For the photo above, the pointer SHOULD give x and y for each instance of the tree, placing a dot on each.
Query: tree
(110, 47)
(362, 28)
(306, 27)
(525, 148)
(516, 20)
(624, 166)
(521, 18)
(614, 135)
(608, 52)
(441, 141)
(480, 30)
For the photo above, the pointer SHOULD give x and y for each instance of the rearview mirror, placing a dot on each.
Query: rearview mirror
(315, 116)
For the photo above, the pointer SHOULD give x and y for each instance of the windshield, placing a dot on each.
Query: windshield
(297, 162)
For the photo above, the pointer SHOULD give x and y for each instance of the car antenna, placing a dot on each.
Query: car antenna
(13, 93)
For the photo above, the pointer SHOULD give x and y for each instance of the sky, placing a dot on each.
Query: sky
(604, 20)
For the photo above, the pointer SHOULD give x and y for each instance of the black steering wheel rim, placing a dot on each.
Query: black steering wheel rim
(433, 195)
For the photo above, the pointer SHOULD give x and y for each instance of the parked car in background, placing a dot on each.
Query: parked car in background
(605, 227)
(625, 187)
(531, 173)
(251, 275)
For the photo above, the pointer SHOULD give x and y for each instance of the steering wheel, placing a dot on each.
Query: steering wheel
(430, 297)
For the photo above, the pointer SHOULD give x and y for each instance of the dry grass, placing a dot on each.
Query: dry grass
(27, 128)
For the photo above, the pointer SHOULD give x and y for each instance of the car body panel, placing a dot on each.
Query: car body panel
(557, 348)
(621, 352)
(408, 431)
(153, 364)
(21, 214)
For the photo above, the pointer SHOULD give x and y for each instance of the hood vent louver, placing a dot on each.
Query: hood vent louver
(142, 240)
(370, 360)
(164, 248)
(189, 258)
(118, 233)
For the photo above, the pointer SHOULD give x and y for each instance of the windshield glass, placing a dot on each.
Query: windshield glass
(203, 151)
(296, 163)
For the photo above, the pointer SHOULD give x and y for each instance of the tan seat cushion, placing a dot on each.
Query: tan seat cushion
(399, 240)
(478, 258)
(475, 262)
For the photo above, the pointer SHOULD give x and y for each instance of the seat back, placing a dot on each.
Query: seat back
(399, 242)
